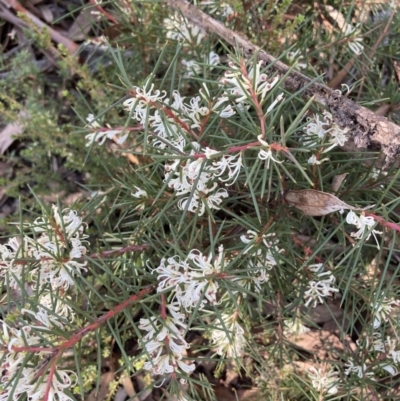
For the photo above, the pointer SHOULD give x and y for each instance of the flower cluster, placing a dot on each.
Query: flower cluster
(321, 287)
(382, 309)
(56, 252)
(383, 355)
(179, 28)
(193, 279)
(242, 85)
(20, 380)
(228, 336)
(165, 343)
(196, 180)
(100, 134)
(294, 327)
(171, 124)
(354, 42)
(317, 128)
(324, 380)
(193, 67)
(363, 223)
(264, 259)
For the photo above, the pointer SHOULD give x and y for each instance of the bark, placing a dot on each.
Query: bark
(367, 129)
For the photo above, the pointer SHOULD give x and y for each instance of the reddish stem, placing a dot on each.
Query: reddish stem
(75, 338)
(104, 12)
(254, 96)
(382, 221)
(102, 319)
(50, 378)
(163, 307)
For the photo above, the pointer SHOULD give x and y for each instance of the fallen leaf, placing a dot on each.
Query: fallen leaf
(10, 131)
(317, 203)
(337, 181)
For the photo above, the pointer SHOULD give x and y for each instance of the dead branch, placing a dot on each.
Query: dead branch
(367, 128)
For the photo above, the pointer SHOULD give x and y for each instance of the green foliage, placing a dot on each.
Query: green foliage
(167, 226)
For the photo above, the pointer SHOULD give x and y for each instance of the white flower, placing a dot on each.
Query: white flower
(165, 343)
(140, 193)
(253, 237)
(228, 337)
(59, 307)
(180, 29)
(227, 111)
(190, 278)
(316, 127)
(294, 327)
(354, 42)
(101, 136)
(215, 199)
(195, 111)
(363, 223)
(360, 370)
(92, 123)
(193, 67)
(68, 220)
(266, 154)
(14, 248)
(338, 136)
(172, 274)
(324, 381)
(313, 160)
(382, 309)
(36, 391)
(393, 354)
(78, 250)
(390, 369)
(294, 56)
(319, 288)
(229, 163)
(41, 316)
(143, 101)
(278, 99)
(242, 86)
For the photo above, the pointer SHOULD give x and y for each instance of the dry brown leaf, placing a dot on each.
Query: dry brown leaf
(337, 181)
(316, 203)
(10, 131)
(82, 25)
(337, 17)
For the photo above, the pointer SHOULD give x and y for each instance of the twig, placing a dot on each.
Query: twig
(366, 127)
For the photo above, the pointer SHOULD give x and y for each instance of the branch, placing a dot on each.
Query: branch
(367, 128)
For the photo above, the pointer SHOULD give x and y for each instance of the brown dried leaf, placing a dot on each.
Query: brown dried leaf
(316, 203)
(337, 181)
(8, 134)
